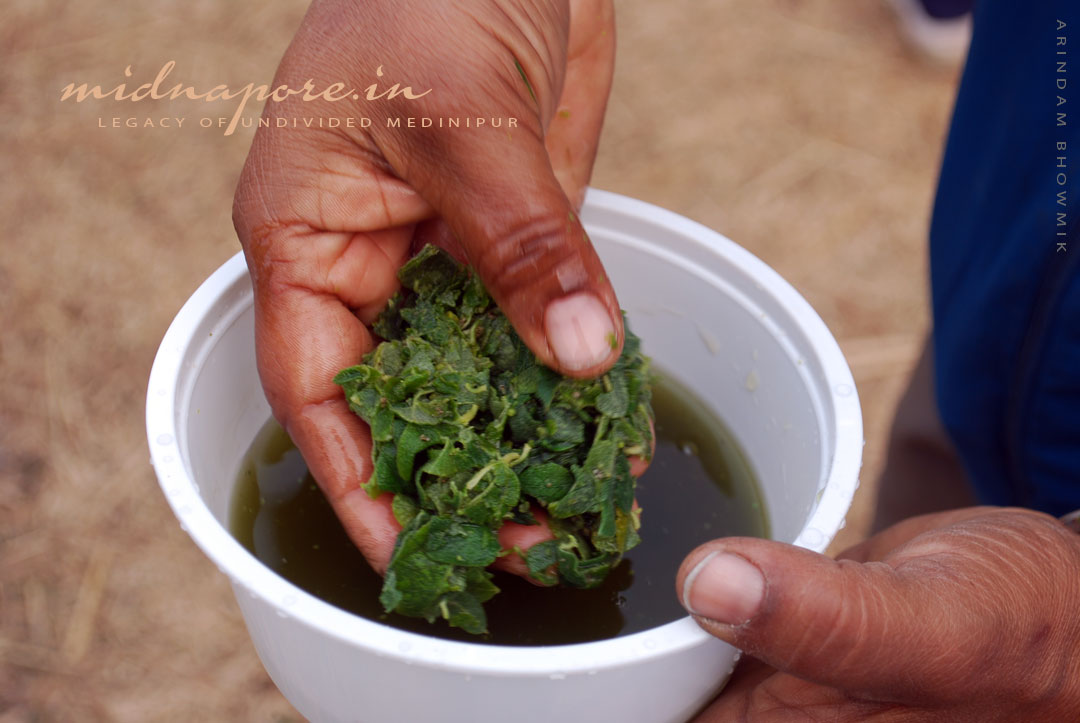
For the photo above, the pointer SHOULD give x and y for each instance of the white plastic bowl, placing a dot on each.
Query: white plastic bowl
(708, 312)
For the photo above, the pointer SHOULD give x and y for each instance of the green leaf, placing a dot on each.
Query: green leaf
(365, 402)
(624, 485)
(586, 573)
(464, 611)
(583, 496)
(390, 326)
(382, 425)
(413, 440)
(475, 298)
(420, 411)
(478, 584)
(358, 373)
(440, 497)
(603, 537)
(540, 559)
(564, 429)
(404, 509)
(385, 477)
(616, 402)
(431, 271)
(546, 482)
(490, 495)
(447, 462)
(470, 430)
(390, 597)
(601, 460)
(523, 515)
(430, 322)
(545, 389)
(418, 581)
(461, 543)
(498, 343)
(523, 424)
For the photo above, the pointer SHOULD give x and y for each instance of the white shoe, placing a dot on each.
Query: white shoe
(943, 40)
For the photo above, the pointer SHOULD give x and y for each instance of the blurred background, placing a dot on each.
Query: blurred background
(805, 130)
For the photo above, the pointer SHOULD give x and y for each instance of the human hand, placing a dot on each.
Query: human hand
(968, 615)
(327, 216)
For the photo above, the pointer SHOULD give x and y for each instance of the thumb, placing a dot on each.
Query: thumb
(496, 191)
(944, 619)
(799, 611)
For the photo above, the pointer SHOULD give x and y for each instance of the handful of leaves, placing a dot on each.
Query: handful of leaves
(470, 430)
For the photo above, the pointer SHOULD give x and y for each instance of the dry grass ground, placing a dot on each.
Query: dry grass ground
(803, 130)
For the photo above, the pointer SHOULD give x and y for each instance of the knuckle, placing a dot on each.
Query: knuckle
(1011, 569)
(274, 264)
(531, 255)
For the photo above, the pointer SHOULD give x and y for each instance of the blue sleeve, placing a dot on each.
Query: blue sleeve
(1005, 258)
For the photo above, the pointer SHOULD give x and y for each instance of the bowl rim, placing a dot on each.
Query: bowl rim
(166, 439)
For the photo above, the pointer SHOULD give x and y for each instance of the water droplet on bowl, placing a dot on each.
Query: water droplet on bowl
(650, 644)
(557, 676)
(843, 390)
(164, 439)
(813, 537)
(289, 600)
(404, 647)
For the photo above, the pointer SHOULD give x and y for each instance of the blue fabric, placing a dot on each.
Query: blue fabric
(947, 9)
(1006, 301)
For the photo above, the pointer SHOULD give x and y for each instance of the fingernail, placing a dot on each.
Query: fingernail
(579, 330)
(725, 588)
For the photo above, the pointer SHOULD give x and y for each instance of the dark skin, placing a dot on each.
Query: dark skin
(968, 615)
(326, 217)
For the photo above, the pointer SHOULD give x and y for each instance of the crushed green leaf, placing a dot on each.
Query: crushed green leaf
(470, 430)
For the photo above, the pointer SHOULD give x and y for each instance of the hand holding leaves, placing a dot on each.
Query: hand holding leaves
(469, 430)
(327, 216)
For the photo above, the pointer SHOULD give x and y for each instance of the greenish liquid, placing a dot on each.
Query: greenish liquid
(697, 488)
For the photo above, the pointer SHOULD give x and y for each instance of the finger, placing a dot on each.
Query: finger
(497, 192)
(336, 445)
(527, 244)
(514, 536)
(577, 335)
(951, 615)
(300, 282)
(334, 442)
(765, 696)
(574, 133)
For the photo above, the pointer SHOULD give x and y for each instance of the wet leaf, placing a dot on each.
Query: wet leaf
(469, 431)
